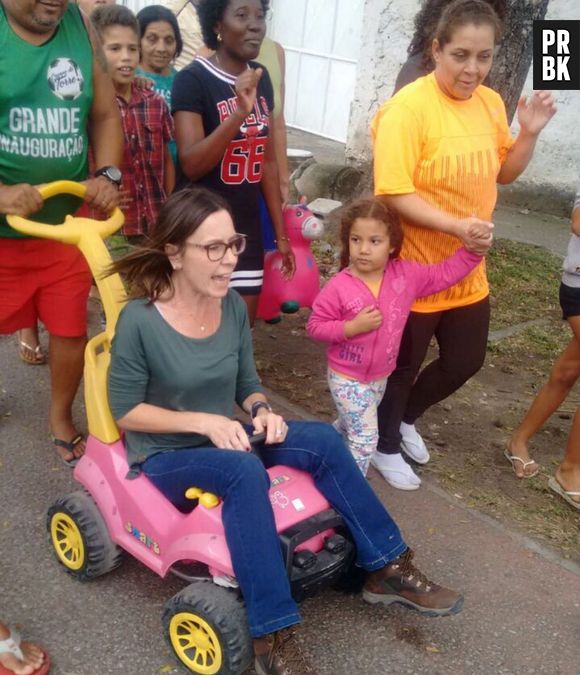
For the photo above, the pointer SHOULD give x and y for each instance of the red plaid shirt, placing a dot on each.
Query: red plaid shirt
(148, 128)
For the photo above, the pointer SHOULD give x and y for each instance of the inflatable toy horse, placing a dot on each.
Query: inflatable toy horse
(278, 294)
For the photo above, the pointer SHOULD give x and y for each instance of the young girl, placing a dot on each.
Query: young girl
(161, 44)
(362, 312)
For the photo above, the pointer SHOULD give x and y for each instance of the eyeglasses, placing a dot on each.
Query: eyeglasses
(216, 251)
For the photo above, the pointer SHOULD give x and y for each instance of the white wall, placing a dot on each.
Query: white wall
(556, 161)
(388, 28)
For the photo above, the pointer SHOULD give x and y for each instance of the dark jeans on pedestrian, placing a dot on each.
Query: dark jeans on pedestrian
(241, 480)
(461, 334)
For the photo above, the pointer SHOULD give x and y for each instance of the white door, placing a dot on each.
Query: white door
(322, 40)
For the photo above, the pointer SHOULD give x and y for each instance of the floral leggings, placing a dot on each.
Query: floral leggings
(356, 403)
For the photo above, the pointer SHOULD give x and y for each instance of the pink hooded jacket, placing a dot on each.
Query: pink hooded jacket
(373, 355)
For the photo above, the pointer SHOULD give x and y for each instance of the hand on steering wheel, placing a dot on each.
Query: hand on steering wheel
(227, 434)
(272, 424)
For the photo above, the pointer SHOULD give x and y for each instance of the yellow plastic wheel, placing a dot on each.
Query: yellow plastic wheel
(67, 541)
(79, 537)
(206, 627)
(196, 643)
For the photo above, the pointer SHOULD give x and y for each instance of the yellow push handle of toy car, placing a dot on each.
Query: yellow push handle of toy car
(68, 232)
(88, 235)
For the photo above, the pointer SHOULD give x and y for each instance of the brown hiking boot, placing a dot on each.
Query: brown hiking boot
(400, 581)
(283, 657)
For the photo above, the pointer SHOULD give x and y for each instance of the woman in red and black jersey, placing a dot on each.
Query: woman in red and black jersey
(222, 107)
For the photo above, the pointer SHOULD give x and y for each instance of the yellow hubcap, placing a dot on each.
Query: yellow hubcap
(67, 541)
(196, 643)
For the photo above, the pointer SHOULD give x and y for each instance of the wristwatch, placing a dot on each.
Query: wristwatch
(257, 405)
(111, 173)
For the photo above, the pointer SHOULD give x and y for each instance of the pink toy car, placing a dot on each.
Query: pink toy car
(279, 295)
(205, 623)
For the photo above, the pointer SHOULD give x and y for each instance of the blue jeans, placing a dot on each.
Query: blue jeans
(242, 482)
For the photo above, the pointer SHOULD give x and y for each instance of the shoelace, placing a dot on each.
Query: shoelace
(290, 654)
(410, 572)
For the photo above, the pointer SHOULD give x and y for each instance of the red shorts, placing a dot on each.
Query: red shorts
(46, 280)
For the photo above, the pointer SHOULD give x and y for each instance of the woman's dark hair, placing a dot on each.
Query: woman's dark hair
(147, 270)
(377, 210)
(210, 13)
(107, 16)
(427, 21)
(463, 13)
(159, 13)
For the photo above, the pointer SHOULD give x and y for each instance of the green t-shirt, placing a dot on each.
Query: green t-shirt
(46, 93)
(152, 363)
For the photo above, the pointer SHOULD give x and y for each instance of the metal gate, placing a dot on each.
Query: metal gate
(322, 41)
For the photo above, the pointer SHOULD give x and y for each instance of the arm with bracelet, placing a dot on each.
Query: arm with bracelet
(264, 419)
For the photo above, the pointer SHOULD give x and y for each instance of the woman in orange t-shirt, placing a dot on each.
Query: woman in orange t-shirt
(441, 145)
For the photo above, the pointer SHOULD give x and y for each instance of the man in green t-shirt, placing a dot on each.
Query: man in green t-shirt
(55, 99)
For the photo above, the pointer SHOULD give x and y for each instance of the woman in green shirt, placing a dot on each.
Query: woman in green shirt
(181, 358)
(161, 44)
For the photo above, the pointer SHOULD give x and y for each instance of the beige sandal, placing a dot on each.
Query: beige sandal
(512, 459)
(34, 356)
(570, 496)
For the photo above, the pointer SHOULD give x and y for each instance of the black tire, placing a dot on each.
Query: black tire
(352, 580)
(216, 614)
(79, 537)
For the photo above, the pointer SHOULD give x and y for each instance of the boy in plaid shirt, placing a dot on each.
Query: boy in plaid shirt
(148, 170)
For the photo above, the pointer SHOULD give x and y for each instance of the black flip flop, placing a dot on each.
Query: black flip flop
(70, 446)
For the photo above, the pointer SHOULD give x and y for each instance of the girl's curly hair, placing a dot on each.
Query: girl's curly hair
(210, 12)
(377, 210)
(427, 20)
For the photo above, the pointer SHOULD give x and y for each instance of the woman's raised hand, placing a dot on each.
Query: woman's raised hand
(536, 111)
(274, 426)
(246, 89)
(226, 433)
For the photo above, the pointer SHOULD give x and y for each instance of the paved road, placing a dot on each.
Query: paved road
(522, 611)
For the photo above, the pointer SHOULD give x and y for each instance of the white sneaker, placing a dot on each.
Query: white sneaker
(412, 444)
(396, 471)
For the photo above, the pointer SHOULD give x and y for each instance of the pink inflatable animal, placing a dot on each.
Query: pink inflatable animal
(279, 295)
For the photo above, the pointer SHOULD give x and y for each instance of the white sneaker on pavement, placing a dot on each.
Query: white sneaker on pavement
(396, 471)
(412, 444)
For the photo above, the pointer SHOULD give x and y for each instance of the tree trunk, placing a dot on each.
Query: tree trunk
(512, 63)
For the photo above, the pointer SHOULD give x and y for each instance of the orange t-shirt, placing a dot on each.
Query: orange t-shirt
(449, 152)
